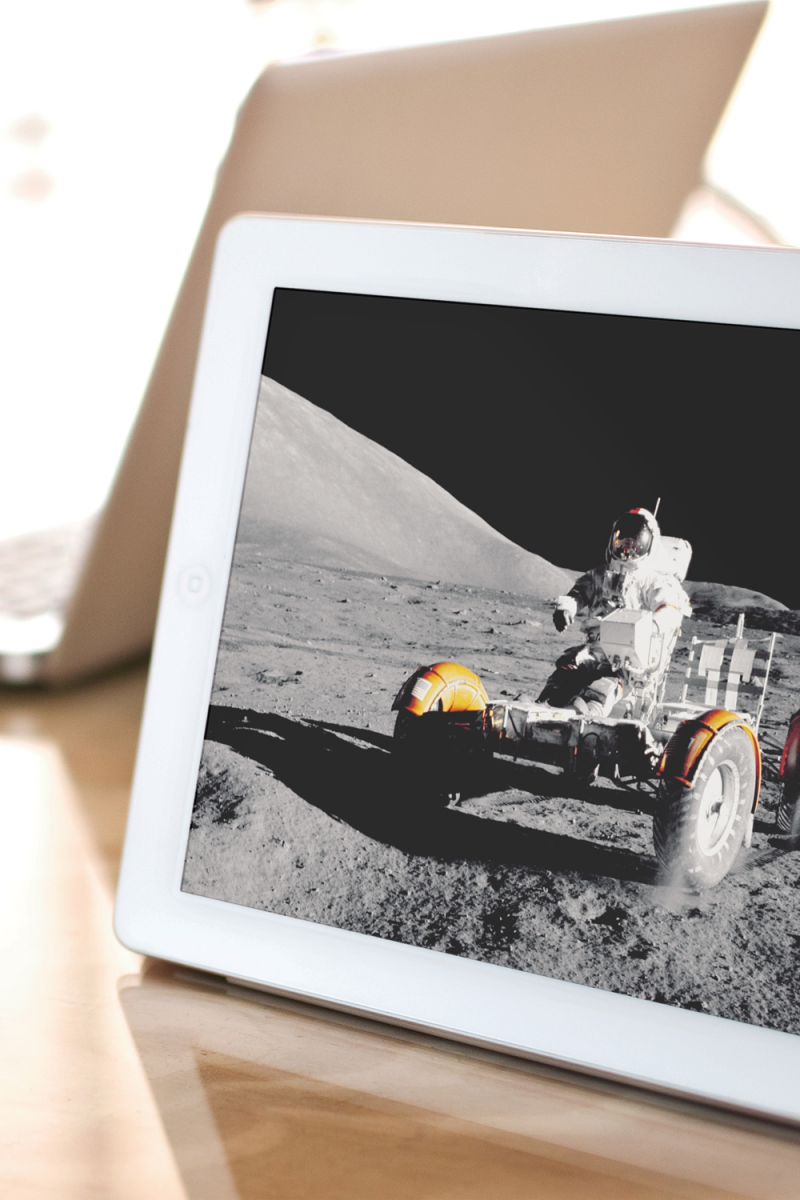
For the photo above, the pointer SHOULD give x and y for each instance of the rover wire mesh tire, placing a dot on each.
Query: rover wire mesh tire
(788, 818)
(789, 810)
(697, 831)
(406, 731)
(416, 761)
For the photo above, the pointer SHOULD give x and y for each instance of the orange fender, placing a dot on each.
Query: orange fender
(459, 689)
(789, 771)
(691, 739)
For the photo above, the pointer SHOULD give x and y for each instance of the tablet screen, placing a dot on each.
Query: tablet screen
(425, 480)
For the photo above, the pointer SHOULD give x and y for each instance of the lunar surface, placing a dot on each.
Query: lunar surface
(300, 809)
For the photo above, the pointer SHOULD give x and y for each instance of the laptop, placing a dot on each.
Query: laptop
(599, 128)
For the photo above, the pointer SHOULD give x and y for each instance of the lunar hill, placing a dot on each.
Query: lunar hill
(705, 596)
(319, 492)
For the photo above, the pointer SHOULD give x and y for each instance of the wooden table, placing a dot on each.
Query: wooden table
(124, 1078)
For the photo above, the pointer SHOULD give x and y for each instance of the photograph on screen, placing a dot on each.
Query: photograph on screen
(511, 644)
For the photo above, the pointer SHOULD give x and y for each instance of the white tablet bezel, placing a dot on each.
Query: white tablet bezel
(737, 1065)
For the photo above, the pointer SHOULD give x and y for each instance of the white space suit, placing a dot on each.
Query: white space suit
(583, 676)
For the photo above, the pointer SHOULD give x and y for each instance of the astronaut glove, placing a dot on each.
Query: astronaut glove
(565, 612)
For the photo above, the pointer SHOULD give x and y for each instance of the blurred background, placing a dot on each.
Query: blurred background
(113, 120)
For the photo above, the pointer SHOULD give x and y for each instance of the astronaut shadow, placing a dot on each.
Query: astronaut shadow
(348, 773)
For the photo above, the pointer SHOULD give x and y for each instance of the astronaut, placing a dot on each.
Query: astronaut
(584, 678)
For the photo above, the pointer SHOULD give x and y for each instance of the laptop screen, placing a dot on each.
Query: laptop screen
(432, 498)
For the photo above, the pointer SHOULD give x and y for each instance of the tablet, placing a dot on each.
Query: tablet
(472, 695)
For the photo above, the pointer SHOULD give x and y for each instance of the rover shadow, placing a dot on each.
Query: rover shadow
(524, 776)
(348, 773)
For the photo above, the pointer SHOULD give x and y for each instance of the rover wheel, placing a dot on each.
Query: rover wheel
(441, 762)
(698, 830)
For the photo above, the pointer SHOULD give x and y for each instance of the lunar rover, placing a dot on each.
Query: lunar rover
(699, 753)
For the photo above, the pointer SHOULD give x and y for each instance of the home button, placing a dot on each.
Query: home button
(194, 585)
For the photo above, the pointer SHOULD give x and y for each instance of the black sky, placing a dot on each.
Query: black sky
(549, 424)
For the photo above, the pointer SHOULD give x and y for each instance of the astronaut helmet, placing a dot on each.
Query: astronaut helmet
(633, 539)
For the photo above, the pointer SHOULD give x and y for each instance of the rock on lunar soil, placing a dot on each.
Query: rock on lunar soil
(299, 810)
